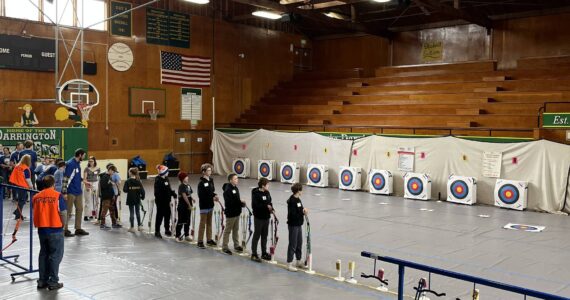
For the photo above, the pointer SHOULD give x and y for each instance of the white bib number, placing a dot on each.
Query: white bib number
(234, 191)
(298, 204)
(264, 198)
(206, 184)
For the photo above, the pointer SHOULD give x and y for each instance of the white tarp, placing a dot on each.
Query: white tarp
(303, 148)
(542, 163)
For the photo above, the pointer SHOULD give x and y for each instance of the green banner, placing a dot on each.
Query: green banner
(553, 120)
(48, 142)
(121, 25)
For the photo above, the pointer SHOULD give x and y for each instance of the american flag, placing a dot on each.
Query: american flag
(184, 70)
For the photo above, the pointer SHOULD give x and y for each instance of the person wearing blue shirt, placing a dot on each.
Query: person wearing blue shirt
(58, 175)
(71, 187)
(15, 156)
(29, 150)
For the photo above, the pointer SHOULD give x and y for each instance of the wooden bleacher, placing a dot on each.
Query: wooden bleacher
(470, 98)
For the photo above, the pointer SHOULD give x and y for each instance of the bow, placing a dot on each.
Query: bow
(308, 253)
(221, 222)
(193, 216)
(16, 228)
(249, 223)
(423, 288)
(274, 236)
(379, 277)
(144, 212)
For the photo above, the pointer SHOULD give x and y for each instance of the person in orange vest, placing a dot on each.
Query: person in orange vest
(50, 216)
(21, 176)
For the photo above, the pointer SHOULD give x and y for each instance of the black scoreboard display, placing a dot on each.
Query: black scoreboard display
(27, 53)
(167, 28)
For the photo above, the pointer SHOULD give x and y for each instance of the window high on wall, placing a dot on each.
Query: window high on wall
(94, 11)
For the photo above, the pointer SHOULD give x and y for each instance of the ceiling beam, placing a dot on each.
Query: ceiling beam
(317, 16)
(472, 17)
(301, 3)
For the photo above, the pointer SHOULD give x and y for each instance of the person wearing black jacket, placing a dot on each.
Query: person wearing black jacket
(233, 205)
(262, 209)
(107, 195)
(295, 217)
(206, 196)
(162, 194)
(185, 203)
(135, 194)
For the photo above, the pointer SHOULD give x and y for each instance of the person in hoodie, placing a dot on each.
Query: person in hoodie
(162, 194)
(295, 217)
(262, 209)
(233, 205)
(206, 196)
(135, 194)
(185, 203)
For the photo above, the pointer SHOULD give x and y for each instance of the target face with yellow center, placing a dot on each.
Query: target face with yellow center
(315, 175)
(378, 181)
(415, 186)
(287, 172)
(346, 178)
(264, 169)
(459, 189)
(508, 194)
(239, 167)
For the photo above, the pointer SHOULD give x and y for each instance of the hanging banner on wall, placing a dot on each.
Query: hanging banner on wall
(492, 164)
(121, 25)
(432, 51)
(560, 120)
(191, 104)
(406, 157)
(27, 53)
(48, 142)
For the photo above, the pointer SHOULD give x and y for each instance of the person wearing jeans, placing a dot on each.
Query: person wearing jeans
(49, 217)
(135, 194)
(107, 198)
(72, 188)
(21, 176)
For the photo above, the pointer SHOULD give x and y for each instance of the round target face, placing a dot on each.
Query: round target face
(524, 227)
(315, 175)
(378, 181)
(264, 169)
(459, 189)
(287, 172)
(346, 177)
(415, 186)
(509, 194)
(239, 167)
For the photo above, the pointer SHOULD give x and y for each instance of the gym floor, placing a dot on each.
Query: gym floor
(120, 265)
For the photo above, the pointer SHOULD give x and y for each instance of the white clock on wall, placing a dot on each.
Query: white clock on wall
(120, 57)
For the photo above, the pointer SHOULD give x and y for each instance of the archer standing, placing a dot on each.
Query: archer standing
(262, 209)
(21, 176)
(185, 203)
(135, 194)
(162, 194)
(206, 196)
(71, 187)
(233, 211)
(49, 217)
(29, 150)
(295, 216)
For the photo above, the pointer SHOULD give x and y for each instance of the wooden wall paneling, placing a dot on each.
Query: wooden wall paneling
(350, 52)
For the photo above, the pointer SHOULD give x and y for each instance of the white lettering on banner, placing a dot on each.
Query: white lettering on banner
(22, 136)
(48, 54)
(560, 121)
(4, 50)
(26, 55)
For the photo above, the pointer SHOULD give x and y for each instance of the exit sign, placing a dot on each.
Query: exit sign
(552, 120)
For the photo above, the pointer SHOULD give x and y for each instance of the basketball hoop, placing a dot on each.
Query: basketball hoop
(153, 113)
(85, 109)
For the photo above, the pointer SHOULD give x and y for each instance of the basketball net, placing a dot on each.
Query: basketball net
(85, 109)
(153, 113)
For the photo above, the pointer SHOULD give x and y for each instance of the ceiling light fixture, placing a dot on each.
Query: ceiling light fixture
(198, 1)
(266, 14)
(381, 1)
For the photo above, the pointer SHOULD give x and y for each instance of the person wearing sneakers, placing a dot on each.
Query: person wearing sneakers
(71, 188)
(49, 217)
(185, 203)
(135, 194)
(21, 176)
(262, 208)
(233, 205)
(295, 217)
(107, 198)
(162, 194)
(206, 197)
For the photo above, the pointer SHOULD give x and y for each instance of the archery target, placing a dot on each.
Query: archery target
(511, 194)
(349, 178)
(265, 169)
(417, 186)
(317, 175)
(462, 189)
(289, 172)
(523, 227)
(241, 167)
(381, 182)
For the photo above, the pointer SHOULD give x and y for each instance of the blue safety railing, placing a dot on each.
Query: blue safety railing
(12, 259)
(403, 264)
